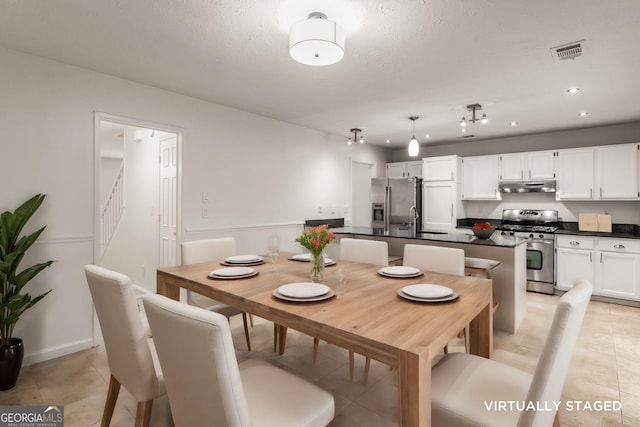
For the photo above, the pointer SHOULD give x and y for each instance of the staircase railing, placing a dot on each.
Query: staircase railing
(112, 210)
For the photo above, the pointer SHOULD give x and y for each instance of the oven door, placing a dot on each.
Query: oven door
(540, 260)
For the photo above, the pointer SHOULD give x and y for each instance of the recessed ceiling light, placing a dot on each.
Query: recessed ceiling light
(513, 124)
(573, 89)
(583, 114)
(388, 141)
(427, 136)
(464, 130)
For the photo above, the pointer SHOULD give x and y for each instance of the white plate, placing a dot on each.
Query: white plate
(232, 271)
(303, 290)
(243, 259)
(443, 299)
(318, 298)
(400, 272)
(307, 258)
(422, 290)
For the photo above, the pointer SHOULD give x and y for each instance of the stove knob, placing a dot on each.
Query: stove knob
(541, 236)
(531, 236)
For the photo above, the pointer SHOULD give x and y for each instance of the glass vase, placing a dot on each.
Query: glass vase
(317, 267)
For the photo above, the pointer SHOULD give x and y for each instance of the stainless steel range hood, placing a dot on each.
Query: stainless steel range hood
(528, 187)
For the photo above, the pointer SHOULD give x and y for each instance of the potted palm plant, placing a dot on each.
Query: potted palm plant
(13, 302)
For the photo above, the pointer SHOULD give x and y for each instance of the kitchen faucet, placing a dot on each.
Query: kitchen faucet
(413, 218)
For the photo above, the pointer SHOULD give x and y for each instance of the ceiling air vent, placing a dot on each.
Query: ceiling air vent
(567, 51)
(466, 136)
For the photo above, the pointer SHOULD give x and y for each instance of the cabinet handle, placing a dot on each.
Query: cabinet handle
(574, 243)
(591, 193)
(590, 256)
(452, 211)
(521, 174)
(600, 257)
(529, 173)
(601, 192)
(452, 176)
(618, 246)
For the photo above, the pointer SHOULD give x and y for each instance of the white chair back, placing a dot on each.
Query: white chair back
(198, 251)
(365, 251)
(199, 364)
(438, 259)
(128, 353)
(548, 379)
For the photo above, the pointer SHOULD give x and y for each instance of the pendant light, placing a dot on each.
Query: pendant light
(414, 147)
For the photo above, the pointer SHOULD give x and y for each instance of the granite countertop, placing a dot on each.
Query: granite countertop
(438, 236)
(624, 231)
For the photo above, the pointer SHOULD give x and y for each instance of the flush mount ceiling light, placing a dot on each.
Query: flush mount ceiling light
(316, 41)
(355, 132)
(573, 90)
(473, 108)
(414, 147)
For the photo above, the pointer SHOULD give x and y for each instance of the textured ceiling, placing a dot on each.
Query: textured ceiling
(428, 58)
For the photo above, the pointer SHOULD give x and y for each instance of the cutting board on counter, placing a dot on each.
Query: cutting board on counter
(604, 223)
(588, 222)
(594, 222)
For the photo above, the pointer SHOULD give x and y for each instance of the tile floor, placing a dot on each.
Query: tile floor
(605, 366)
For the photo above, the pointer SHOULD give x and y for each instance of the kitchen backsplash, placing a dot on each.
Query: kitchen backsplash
(627, 212)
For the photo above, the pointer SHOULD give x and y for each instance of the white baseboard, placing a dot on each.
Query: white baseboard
(58, 351)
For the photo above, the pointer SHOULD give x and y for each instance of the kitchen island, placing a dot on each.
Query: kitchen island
(509, 278)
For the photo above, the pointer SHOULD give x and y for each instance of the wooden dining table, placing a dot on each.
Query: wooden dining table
(369, 318)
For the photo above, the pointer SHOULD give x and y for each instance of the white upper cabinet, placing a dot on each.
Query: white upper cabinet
(616, 167)
(575, 174)
(404, 169)
(440, 205)
(442, 168)
(599, 173)
(535, 165)
(480, 178)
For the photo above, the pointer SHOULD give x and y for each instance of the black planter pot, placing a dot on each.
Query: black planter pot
(11, 363)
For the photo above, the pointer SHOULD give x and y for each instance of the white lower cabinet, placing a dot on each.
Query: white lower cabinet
(618, 268)
(611, 265)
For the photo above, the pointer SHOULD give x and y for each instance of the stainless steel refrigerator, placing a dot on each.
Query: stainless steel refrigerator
(396, 204)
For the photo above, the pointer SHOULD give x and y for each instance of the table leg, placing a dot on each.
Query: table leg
(414, 389)
(164, 287)
(282, 339)
(481, 333)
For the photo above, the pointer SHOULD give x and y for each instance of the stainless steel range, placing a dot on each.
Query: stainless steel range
(537, 226)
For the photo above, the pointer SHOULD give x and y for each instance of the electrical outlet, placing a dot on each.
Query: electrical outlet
(205, 212)
(319, 209)
(205, 197)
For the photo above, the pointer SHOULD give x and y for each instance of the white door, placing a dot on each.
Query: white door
(361, 174)
(168, 201)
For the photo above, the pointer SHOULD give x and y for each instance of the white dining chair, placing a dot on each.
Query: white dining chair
(207, 386)
(464, 386)
(130, 353)
(437, 259)
(365, 251)
(198, 251)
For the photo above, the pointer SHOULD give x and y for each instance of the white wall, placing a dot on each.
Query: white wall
(256, 171)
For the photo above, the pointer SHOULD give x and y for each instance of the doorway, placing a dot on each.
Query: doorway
(361, 174)
(137, 201)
